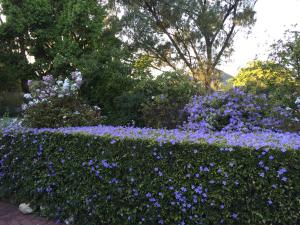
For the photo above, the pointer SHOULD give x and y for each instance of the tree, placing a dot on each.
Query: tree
(61, 36)
(194, 34)
(270, 78)
(286, 52)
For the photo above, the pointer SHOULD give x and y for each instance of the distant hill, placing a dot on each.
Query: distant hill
(225, 77)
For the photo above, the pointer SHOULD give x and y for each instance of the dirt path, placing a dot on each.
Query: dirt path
(10, 215)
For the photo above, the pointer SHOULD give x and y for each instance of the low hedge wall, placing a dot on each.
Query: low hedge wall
(103, 180)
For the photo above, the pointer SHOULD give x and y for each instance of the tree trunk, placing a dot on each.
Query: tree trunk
(24, 83)
(24, 86)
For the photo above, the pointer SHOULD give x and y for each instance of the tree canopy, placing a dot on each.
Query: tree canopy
(193, 34)
(270, 78)
(286, 52)
(59, 36)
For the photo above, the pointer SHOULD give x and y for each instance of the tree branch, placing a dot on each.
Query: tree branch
(164, 29)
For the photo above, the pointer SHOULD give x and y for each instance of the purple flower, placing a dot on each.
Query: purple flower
(234, 215)
(183, 189)
(148, 195)
(269, 202)
(262, 174)
(281, 171)
(156, 204)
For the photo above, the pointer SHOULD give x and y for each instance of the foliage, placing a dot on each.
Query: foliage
(234, 110)
(55, 103)
(61, 112)
(165, 109)
(10, 102)
(270, 78)
(59, 36)
(286, 52)
(143, 181)
(186, 34)
(105, 88)
(6, 122)
(129, 103)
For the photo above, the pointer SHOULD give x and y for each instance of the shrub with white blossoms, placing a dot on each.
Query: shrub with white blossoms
(49, 87)
(56, 103)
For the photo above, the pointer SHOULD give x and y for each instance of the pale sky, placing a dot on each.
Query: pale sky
(273, 18)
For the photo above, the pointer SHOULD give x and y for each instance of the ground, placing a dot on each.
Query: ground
(10, 215)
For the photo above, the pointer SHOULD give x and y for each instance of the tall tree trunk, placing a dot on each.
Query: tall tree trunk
(24, 86)
(24, 83)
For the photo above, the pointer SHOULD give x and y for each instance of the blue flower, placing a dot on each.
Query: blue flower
(234, 215)
(148, 195)
(281, 171)
(262, 174)
(269, 202)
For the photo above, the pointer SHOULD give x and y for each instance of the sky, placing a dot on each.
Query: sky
(273, 18)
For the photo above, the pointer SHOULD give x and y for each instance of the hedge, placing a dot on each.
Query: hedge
(101, 180)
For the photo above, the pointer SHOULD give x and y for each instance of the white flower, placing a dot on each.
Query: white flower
(59, 82)
(70, 220)
(288, 108)
(25, 208)
(36, 101)
(66, 84)
(297, 101)
(97, 107)
(42, 208)
(60, 95)
(24, 106)
(73, 87)
(27, 96)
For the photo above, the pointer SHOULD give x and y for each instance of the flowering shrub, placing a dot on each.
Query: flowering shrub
(55, 103)
(50, 88)
(234, 110)
(119, 175)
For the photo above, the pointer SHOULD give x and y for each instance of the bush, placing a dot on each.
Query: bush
(272, 79)
(128, 105)
(61, 112)
(126, 179)
(165, 109)
(55, 103)
(10, 102)
(234, 110)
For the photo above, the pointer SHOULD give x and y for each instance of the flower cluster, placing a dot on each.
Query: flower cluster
(50, 87)
(234, 110)
(255, 140)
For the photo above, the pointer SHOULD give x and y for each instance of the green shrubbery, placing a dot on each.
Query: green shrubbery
(61, 112)
(165, 109)
(104, 180)
(154, 102)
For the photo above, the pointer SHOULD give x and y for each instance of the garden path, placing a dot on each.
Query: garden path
(10, 215)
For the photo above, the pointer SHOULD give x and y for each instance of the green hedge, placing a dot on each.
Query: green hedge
(102, 180)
